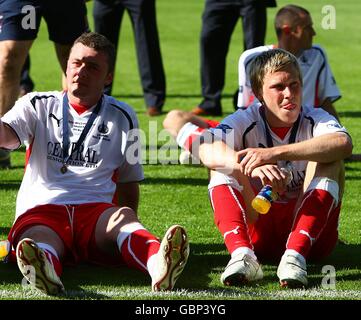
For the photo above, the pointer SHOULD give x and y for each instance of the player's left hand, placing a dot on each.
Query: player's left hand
(272, 175)
(252, 158)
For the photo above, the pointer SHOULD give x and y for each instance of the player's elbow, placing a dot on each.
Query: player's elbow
(345, 142)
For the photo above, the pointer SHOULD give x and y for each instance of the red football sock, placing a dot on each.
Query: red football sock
(229, 216)
(55, 262)
(194, 135)
(197, 131)
(310, 220)
(138, 247)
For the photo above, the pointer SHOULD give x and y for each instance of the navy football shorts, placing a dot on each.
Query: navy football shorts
(20, 19)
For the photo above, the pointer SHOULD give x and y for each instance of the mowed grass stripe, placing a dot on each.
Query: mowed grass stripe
(121, 293)
(178, 194)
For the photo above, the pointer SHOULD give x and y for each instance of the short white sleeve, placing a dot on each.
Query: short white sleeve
(22, 118)
(324, 123)
(327, 87)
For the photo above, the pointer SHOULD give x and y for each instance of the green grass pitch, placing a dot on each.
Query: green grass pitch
(178, 194)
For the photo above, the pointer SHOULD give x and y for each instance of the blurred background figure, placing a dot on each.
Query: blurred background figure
(218, 22)
(66, 20)
(26, 83)
(108, 15)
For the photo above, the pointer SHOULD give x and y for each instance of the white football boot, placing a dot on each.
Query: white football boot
(240, 270)
(170, 259)
(292, 271)
(36, 268)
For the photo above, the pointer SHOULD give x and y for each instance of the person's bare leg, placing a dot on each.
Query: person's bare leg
(110, 224)
(163, 261)
(46, 235)
(12, 58)
(176, 119)
(62, 52)
(334, 171)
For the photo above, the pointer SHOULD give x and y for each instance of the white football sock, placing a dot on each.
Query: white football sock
(185, 132)
(152, 264)
(329, 185)
(126, 231)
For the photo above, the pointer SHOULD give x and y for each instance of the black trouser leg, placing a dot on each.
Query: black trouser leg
(107, 20)
(218, 24)
(254, 21)
(143, 16)
(26, 83)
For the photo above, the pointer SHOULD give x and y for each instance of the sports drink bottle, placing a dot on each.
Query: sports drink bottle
(4, 249)
(263, 201)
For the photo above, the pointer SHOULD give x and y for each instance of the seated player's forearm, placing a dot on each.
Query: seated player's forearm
(218, 156)
(323, 149)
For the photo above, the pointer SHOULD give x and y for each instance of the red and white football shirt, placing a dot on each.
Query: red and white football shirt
(110, 149)
(249, 129)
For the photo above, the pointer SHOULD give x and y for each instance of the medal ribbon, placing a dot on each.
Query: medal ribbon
(66, 139)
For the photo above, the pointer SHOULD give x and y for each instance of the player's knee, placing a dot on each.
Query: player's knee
(171, 117)
(173, 121)
(111, 223)
(36, 232)
(44, 234)
(117, 219)
(62, 52)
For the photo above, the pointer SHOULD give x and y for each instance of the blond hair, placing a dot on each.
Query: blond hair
(269, 62)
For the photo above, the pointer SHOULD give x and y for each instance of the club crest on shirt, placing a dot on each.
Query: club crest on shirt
(103, 132)
(103, 128)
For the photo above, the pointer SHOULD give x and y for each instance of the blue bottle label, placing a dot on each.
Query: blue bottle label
(267, 193)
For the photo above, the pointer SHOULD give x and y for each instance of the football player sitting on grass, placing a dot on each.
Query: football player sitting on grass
(249, 149)
(79, 159)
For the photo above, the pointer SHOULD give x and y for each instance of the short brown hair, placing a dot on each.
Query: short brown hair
(289, 15)
(99, 43)
(268, 62)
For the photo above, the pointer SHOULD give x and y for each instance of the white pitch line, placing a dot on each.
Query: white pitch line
(188, 294)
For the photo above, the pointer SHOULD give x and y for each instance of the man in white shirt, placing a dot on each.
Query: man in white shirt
(249, 149)
(294, 29)
(80, 192)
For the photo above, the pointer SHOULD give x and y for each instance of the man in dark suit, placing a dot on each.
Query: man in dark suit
(219, 20)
